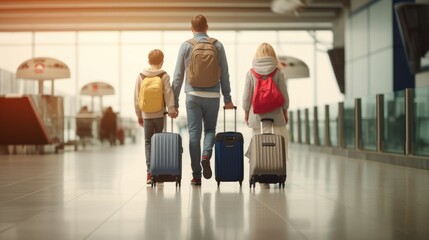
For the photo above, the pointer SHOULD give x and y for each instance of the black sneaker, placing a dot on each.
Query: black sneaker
(205, 163)
(196, 181)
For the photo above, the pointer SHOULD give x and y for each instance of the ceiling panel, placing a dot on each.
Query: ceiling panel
(54, 15)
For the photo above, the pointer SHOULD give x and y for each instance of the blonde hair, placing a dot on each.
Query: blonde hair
(266, 50)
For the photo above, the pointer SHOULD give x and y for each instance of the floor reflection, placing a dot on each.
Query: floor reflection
(163, 213)
(229, 214)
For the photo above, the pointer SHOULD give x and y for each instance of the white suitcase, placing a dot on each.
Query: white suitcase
(267, 158)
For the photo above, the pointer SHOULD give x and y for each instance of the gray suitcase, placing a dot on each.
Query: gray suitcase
(166, 157)
(267, 158)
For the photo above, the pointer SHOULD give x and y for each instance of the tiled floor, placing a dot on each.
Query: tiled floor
(101, 194)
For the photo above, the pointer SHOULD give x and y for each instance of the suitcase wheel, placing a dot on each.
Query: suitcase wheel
(252, 183)
(241, 183)
(218, 184)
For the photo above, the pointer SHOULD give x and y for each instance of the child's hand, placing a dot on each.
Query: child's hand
(141, 122)
(246, 117)
(285, 113)
(173, 115)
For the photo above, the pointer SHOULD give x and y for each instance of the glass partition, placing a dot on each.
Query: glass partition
(73, 126)
(349, 124)
(303, 128)
(333, 124)
(311, 125)
(321, 124)
(394, 122)
(338, 122)
(421, 121)
(51, 112)
(369, 123)
(295, 126)
(292, 125)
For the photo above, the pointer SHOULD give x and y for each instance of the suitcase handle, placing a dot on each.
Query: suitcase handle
(267, 120)
(165, 122)
(235, 119)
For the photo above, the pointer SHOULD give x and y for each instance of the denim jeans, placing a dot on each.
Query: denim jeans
(151, 126)
(201, 111)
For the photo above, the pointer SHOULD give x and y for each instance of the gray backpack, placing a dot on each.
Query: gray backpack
(203, 70)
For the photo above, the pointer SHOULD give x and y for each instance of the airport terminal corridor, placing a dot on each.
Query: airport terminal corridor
(101, 193)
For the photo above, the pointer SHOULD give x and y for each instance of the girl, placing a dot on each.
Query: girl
(264, 63)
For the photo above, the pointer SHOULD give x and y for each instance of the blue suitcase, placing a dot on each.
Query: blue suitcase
(166, 157)
(229, 154)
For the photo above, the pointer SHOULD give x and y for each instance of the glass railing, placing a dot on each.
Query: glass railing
(311, 125)
(333, 125)
(369, 123)
(293, 126)
(302, 124)
(88, 128)
(349, 124)
(321, 125)
(396, 122)
(421, 121)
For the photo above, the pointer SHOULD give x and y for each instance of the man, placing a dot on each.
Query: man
(202, 103)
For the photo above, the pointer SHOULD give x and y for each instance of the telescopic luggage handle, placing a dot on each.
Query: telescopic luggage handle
(267, 120)
(165, 122)
(235, 119)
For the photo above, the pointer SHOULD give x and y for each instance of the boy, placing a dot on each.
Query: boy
(153, 121)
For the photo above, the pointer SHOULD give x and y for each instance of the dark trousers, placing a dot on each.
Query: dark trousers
(151, 126)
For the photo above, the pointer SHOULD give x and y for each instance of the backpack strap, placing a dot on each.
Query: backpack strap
(159, 75)
(259, 76)
(194, 41)
(212, 40)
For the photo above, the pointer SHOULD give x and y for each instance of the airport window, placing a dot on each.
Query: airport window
(116, 57)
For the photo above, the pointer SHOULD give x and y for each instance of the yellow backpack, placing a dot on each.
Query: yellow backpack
(151, 94)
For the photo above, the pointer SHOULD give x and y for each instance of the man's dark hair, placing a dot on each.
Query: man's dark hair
(156, 57)
(199, 23)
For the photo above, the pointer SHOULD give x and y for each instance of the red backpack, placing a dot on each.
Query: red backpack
(266, 97)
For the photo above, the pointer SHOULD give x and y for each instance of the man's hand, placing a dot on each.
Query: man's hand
(141, 122)
(229, 105)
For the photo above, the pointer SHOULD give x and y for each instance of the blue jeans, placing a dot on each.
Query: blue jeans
(201, 111)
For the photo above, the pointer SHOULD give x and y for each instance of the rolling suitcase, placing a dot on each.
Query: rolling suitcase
(229, 154)
(166, 157)
(267, 158)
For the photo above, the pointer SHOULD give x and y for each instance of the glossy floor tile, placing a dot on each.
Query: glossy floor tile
(100, 193)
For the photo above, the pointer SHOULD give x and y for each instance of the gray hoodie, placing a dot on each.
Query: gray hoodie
(264, 66)
(168, 94)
